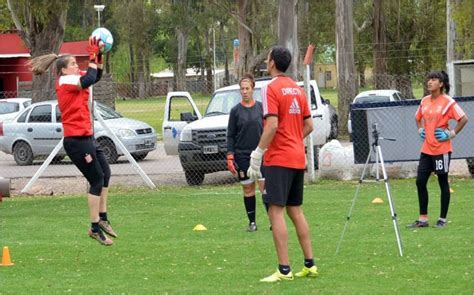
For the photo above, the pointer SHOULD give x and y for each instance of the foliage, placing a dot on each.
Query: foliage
(316, 26)
(6, 22)
(416, 30)
(464, 17)
(158, 252)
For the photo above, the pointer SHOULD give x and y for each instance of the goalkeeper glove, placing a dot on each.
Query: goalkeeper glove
(255, 162)
(444, 135)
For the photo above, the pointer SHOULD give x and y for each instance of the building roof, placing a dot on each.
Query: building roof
(11, 45)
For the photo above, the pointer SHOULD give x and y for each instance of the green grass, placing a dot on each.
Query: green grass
(151, 110)
(158, 252)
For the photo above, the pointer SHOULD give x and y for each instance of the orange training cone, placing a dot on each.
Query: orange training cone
(6, 260)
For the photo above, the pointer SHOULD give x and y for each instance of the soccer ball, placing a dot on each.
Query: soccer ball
(105, 38)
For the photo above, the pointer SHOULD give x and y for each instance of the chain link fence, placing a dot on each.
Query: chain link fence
(135, 113)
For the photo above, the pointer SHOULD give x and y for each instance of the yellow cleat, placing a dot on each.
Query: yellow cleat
(310, 272)
(278, 276)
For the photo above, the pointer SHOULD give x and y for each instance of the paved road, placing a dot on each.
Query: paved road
(66, 178)
(156, 163)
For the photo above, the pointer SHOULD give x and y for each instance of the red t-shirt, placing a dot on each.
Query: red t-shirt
(283, 98)
(436, 114)
(74, 107)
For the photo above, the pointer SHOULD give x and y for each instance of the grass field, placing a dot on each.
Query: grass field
(151, 110)
(158, 252)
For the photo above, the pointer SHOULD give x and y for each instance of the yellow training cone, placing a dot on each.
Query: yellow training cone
(451, 190)
(6, 260)
(377, 201)
(199, 227)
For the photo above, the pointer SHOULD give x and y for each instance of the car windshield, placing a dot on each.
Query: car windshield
(222, 102)
(9, 107)
(372, 98)
(106, 112)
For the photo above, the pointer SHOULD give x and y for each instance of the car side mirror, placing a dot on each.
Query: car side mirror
(188, 117)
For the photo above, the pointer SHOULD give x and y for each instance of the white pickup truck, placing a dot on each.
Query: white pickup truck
(201, 141)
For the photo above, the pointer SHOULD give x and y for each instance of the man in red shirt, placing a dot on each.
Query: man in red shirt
(287, 122)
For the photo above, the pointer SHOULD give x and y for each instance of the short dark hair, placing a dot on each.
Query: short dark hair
(442, 76)
(281, 56)
(249, 77)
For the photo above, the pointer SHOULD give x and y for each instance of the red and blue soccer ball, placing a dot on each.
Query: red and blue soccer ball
(105, 38)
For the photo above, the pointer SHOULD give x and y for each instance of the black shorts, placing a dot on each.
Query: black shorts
(439, 164)
(242, 164)
(86, 154)
(284, 186)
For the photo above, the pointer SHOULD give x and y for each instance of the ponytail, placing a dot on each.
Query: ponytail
(446, 81)
(40, 64)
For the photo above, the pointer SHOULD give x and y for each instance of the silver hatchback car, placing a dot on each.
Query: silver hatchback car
(37, 130)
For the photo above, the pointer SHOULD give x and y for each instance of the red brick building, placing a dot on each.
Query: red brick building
(14, 54)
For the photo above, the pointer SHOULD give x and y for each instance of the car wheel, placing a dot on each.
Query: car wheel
(470, 166)
(139, 156)
(334, 128)
(194, 177)
(22, 153)
(109, 149)
(57, 159)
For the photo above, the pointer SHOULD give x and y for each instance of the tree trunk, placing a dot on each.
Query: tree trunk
(140, 73)
(346, 74)
(208, 62)
(245, 48)
(288, 33)
(131, 51)
(226, 59)
(180, 74)
(381, 80)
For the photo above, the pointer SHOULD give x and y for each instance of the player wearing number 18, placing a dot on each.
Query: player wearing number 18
(432, 117)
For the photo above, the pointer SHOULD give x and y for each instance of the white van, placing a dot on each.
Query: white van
(201, 141)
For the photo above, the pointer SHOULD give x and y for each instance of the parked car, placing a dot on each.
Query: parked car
(11, 107)
(38, 129)
(374, 96)
(201, 141)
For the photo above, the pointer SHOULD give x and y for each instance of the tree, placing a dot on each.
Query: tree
(463, 17)
(6, 22)
(346, 79)
(255, 24)
(363, 39)
(288, 32)
(380, 47)
(41, 26)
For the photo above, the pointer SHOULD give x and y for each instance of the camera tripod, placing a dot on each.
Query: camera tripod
(378, 161)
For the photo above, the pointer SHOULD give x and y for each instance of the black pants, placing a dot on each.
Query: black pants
(86, 154)
(427, 165)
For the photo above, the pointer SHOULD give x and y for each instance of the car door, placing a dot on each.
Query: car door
(40, 130)
(180, 110)
(320, 118)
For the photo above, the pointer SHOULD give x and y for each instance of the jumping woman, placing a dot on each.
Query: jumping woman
(79, 143)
